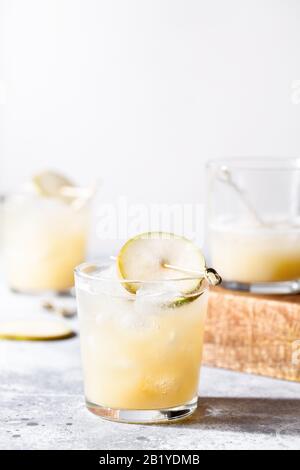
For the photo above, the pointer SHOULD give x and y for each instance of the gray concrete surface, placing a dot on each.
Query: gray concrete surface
(42, 405)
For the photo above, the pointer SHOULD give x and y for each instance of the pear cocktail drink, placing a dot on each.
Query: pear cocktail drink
(141, 328)
(247, 254)
(45, 234)
(254, 223)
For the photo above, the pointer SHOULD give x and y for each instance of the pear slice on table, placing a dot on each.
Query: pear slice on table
(34, 330)
(144, 257)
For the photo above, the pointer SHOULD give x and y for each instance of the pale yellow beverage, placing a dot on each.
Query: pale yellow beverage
(45, 238)
(44, 241)
(142, 353)
(249, 254)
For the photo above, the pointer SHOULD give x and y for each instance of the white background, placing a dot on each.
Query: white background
(143, 92)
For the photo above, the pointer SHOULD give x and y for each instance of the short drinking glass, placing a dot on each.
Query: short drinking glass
(141, 353)
(44, 240)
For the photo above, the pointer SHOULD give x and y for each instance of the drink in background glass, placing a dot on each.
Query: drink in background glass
(254, 223)
(45, 237)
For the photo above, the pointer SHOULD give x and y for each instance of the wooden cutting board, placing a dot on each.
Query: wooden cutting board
(254, 333)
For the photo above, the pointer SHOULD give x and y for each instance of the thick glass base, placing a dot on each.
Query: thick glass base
(267, 288)
(144, 416)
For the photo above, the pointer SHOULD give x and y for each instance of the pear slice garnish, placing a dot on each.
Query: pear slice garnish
(146, 258)
(52, 184)
(55, 185)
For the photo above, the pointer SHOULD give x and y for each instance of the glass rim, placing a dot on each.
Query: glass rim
(256, 163)
(79, 271)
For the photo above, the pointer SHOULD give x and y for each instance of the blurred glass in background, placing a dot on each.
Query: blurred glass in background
(254, 223)
(45, 233)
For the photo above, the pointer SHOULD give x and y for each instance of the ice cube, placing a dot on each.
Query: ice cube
(105, 282)
(151, 298)
(108, 273)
